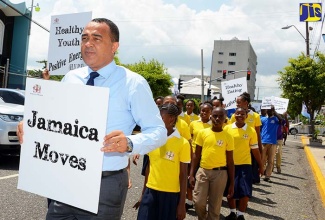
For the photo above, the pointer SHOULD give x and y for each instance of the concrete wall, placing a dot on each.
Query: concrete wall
(18, 60)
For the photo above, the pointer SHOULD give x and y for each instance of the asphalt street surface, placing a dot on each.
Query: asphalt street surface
(290, 195)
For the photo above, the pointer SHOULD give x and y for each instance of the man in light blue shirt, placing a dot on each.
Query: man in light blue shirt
(130, 103)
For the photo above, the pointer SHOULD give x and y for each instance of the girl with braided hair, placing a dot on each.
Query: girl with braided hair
(165, 189)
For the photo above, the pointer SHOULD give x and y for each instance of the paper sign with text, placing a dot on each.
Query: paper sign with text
(231, 90)
(65, 41)
(267, 102)
(280, 104)
(256, 106)
(64, 127)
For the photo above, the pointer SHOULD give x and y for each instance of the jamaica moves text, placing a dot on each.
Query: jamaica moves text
(53, 156)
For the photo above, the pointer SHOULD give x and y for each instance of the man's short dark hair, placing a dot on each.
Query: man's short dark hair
(115, 34)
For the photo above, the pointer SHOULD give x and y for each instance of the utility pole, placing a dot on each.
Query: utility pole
(307, 39)
(211, 71)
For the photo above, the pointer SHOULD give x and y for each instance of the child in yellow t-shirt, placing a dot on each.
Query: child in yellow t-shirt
(253, 119)
(182, 115)
(181, 125)
(245, 140)
(195, 127)
(214, 152)
(203, 122)
(190, 106)
(164, 195)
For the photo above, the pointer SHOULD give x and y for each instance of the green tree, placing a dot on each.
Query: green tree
(156, 75)
(303, 80)
(34, 73)
(153, 71)
(116, 59)
(44, 62)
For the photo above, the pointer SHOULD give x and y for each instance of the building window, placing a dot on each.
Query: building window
(232, 54)
(220, 62)
(220, 53)
(231, 63)
(2, 32)
(219, 71)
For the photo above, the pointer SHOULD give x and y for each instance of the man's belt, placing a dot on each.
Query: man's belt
(110, 173)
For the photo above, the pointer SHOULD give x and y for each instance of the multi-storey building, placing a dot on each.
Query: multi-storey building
(236, 57)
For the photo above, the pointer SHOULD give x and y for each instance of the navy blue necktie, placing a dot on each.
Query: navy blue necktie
(90, 81)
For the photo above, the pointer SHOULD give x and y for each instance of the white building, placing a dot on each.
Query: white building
(234, 56)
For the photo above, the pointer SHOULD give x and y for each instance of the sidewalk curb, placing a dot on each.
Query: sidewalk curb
(319, 178)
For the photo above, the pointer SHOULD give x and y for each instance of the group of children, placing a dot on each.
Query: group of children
(205, 158)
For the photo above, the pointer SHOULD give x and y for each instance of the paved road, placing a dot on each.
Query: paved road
(290, 195)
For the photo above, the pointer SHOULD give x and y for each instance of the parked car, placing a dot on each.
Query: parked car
(300, 128)
(293, 128)
(11, 113)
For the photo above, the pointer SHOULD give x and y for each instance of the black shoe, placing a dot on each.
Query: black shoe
(240, 217)
(267, 179)
(188, 206)
(231, 216)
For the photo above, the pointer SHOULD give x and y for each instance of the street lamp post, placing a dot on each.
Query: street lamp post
(37, 9)
(305, 38)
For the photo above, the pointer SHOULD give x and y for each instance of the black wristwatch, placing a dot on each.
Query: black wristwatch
(129, 145)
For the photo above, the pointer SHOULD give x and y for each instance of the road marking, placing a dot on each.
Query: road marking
(7, 177)
(319, 178)
(293, 141)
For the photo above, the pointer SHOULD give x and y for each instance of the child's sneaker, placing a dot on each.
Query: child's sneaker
(231, 216)
(240, 217)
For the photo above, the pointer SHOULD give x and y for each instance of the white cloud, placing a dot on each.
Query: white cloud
(174, 34)
(267, 86)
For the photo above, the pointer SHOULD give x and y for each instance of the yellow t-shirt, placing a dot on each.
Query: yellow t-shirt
(195, 127)
(226, 123)
(214, 146)
(193, 117)
(253, 119)
(183, 129)
(165, 163)
(185, 117)
(245, 139)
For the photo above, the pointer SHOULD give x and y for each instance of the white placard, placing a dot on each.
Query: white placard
(256, 106)
(280, 104)
(63, 164)
(267, 102)
(65, 40)
(232, 89)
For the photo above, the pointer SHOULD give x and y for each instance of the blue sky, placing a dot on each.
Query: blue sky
(174, 32)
